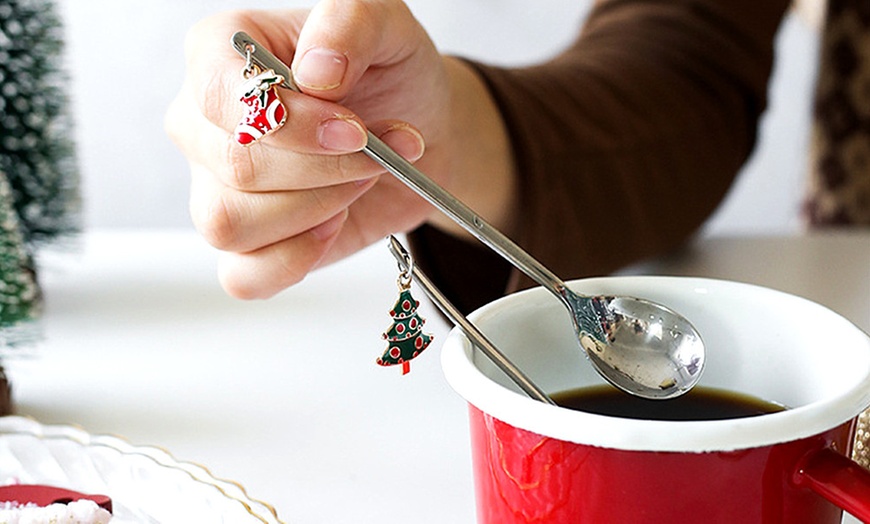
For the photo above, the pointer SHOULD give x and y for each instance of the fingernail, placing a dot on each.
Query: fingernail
(341, 134)
(362, 182)
(320, 69)
(406, 141)
(329, 228)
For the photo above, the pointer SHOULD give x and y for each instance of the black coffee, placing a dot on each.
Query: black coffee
(701, 403)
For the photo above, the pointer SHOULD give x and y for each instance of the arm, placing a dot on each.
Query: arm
(625, 143)
(620, 146)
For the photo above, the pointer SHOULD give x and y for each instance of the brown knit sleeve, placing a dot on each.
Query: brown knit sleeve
(627, 141)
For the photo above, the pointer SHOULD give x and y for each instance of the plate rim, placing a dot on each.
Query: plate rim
(29, 426)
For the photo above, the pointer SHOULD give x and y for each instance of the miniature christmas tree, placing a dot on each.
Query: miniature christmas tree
(405, 337)
(36, 152)
(19, 293)
(38, 170)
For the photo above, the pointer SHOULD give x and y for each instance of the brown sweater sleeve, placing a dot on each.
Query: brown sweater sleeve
(625, 143)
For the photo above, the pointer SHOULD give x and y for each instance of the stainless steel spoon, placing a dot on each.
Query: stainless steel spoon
(639, 346)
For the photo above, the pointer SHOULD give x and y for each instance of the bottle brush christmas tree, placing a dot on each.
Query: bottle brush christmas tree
(38, 170)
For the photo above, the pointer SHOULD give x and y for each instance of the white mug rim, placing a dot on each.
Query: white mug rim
(643, 435)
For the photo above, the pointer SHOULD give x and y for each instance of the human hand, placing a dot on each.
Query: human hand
(305, 196)
(298, 199)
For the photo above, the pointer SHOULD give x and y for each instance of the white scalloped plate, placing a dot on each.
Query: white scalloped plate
(146, 484)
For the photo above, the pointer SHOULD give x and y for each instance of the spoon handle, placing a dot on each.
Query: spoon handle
(477, 338)
(460, 213)
(456, 210)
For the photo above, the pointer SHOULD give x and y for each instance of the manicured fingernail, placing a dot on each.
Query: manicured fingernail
(406, 141)
(341, 134)
(320, 69)
(329, 228)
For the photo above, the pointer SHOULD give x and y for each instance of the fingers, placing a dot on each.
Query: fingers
(214, 67)
(269, 168)
(265, 167)
(314, 141)
(341, 39)
(306, 195)
(266, 271)
(263, 272)
(243, 221)
(213, 81)
(238, 220)
(312, 126)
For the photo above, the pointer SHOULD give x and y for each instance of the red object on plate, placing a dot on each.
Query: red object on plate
(46, 495)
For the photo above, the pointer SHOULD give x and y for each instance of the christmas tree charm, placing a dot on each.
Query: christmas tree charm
(405, 337)
(265, 113)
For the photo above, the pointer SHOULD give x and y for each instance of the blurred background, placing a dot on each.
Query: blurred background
(126, 62)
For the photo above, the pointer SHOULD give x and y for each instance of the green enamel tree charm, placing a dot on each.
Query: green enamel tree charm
(405, 337)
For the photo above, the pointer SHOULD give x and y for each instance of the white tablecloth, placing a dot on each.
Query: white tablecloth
(283, 395)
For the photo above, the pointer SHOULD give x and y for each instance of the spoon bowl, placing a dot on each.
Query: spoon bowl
(650, 350)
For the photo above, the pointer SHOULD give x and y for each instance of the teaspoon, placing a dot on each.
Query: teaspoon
(639, 346)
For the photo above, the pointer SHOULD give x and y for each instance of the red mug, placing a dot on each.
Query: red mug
(536, 463)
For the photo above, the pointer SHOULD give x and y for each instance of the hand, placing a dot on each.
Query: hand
(305, 196)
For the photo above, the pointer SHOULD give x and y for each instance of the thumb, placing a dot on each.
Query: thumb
(341, 39)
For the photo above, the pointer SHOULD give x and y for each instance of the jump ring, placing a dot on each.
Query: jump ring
(250, 68)
(406, 269)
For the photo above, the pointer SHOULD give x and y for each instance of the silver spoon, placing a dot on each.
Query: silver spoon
(406, 264)
(638, 346)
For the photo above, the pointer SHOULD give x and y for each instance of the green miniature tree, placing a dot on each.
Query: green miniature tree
(405, 337)
(37, 154)
(38, 170)
(19, 293)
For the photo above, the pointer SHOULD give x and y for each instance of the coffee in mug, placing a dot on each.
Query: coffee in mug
(700, 403)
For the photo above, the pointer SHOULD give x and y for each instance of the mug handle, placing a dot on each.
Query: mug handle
(837, 478)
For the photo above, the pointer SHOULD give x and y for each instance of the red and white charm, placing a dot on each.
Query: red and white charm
(265, 113)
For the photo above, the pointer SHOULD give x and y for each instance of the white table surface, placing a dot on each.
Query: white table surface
(283, 396)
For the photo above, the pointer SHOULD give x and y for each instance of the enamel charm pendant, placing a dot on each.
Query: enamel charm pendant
(405, 337)
(265, 113)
